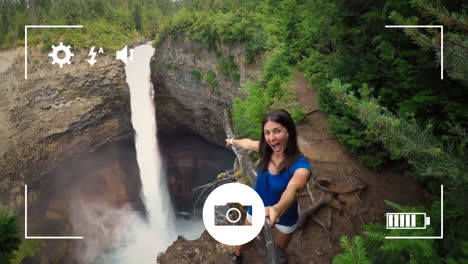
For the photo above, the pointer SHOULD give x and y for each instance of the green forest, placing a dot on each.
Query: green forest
(380, 87)
(106, 23)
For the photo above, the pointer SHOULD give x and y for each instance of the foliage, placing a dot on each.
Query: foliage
(196, 74)
(248, 113)
(28, 248)
(416, 117)
(349, 130)
(229, 68)
(297, 113)
(378, 249)
(210, 78)
(110, 24)
(261, 28)
(354, 253)
(455, 44)
(224, 27)
(171, 66)
(432, 160)
(9, 235)
(404, 138)
(356, 48)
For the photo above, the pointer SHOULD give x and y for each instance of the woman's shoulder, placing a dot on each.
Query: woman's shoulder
(302, 158)
(301, 162)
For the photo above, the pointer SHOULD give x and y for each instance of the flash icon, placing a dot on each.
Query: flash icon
(93, 54)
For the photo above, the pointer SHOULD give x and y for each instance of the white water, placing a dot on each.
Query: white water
(145, 239)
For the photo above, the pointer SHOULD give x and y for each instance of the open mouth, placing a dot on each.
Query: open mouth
(276, 147)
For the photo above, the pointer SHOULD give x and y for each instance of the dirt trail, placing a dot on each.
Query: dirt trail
(318, 241)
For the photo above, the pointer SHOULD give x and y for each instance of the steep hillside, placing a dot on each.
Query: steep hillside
(356, 198)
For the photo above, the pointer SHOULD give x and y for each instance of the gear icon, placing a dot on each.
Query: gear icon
(56, 50)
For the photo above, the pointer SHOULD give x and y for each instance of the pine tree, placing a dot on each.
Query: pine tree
(354, 253)
(9, 235)
(373, 247)
(455, 36)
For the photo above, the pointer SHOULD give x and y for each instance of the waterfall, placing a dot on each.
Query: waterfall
(159, 231)
(154, 191)
(145, 238)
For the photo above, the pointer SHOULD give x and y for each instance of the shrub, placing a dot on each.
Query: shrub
(297, 113)
(350, 132)
(9, 235)
(373, 247)
(354, 253)
(210, 78)
(248, 113)
(229, 68)
(196, 74)
(28, 248)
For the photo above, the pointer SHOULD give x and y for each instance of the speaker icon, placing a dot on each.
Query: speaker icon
(122, 55)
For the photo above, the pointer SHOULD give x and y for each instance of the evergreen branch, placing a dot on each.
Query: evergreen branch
(451, 20)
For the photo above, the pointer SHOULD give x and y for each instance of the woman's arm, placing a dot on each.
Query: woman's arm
(244, 143)
(294, 188)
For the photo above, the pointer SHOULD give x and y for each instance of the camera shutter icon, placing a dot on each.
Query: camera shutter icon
(229, 203)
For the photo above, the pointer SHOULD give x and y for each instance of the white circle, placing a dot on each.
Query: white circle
(234, 235)
(238, 218)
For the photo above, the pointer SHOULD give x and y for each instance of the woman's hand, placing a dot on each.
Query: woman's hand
(229, 142)
(272, 214)
(294, 188)
(243, 143)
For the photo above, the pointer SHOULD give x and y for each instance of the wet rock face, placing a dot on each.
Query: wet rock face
(191, 94)
(191, 161)
(190, 91)
(55, 115)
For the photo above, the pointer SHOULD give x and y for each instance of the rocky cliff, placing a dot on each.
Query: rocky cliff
(55, 115)
(193, 85)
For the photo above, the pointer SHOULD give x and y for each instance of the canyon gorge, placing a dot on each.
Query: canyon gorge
(67, 134)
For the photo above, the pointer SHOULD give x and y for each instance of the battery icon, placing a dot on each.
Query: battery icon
(407, 221)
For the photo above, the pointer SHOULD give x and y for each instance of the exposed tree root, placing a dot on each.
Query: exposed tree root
(185, 257)
(310, 193)
(325, 189)
(324, 200)
(313, 111)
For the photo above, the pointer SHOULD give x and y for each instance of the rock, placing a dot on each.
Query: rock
(188, 104)
(185, 100)
(56, 114)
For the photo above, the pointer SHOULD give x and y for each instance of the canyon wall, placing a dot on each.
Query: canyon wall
(193, 85)
(55, 115)
(191, 90)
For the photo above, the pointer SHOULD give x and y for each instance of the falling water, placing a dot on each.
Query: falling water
(160, 230)
(147, 237)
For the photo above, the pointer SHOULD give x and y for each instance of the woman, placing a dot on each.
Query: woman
(282, 174)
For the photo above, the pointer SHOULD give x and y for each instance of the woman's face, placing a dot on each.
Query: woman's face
(276, 136)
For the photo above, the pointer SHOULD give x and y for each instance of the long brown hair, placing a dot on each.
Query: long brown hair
(291, 153)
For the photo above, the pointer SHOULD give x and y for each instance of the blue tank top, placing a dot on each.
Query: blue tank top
(270, 187)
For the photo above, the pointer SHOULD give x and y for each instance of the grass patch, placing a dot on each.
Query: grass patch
(229, 68)
(210, 78)
(171, 66)
(28, 248)
(197, 74)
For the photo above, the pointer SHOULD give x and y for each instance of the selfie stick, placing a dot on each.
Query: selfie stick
(270, 245)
